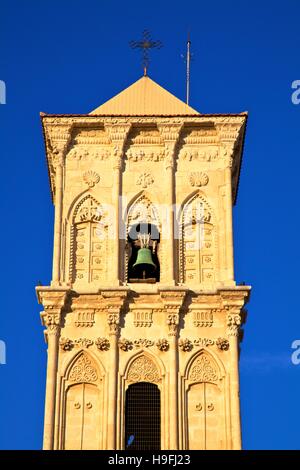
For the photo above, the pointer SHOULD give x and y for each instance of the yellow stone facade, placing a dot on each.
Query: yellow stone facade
(143, 157)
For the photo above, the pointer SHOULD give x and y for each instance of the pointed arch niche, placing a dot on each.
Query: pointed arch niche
(142, 212)
(83, 405)
(144, 368)
(197, 242)
(204, 398)
(89, 242)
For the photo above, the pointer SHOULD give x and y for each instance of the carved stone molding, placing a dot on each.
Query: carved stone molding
(79, 153)
(143, 369)
(187, 345)
(143, 343)
(143, 318)
(85, 318)
(203, 318)
(83, 370)
(203, 342)
(83, 342)
(141, 155)
(203, 370)
(208, 154)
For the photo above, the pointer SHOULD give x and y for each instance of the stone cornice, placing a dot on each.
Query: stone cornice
(58, 133)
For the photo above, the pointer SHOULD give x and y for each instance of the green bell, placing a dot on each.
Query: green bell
(144, 263)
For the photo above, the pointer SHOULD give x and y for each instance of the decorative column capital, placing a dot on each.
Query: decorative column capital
(54, 302)
(114, 302)
(234, 321)
(58, 154)
(173, 323)
(170, 134)
(113, 321)
(228, 154)
(118, 135)
(58, 137)
(172, 302)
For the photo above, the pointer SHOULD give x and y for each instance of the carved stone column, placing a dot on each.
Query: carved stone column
(118, 134)
(172, 304)
(53, 302)
(170, 135)
(233, 323)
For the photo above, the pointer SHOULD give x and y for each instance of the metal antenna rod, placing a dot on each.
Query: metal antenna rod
(188, 69)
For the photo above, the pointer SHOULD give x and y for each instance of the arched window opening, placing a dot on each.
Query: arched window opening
(142, 417)
(143, 241)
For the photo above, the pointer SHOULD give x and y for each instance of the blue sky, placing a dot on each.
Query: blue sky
(69, 57)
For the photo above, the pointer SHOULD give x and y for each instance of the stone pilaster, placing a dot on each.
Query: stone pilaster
(173, 301)
(118, 135)
(170, 135)
(54, 302)
(233, 304)
(114, 307)
(58, 138)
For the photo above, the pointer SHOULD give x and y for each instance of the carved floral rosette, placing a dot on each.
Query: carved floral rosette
(125, 344)
(163, 344)
(185, 345)
(102, 344)
(222, 344)
(66, 344)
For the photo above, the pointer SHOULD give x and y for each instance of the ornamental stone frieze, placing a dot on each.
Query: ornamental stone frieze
(186, 345)
(67, 344)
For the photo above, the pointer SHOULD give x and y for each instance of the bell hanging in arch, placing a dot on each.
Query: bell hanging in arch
(144, 267)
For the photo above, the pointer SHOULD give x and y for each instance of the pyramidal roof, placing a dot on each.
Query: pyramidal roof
(144, 97)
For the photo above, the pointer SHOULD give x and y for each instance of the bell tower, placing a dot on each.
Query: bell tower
(143, 315)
